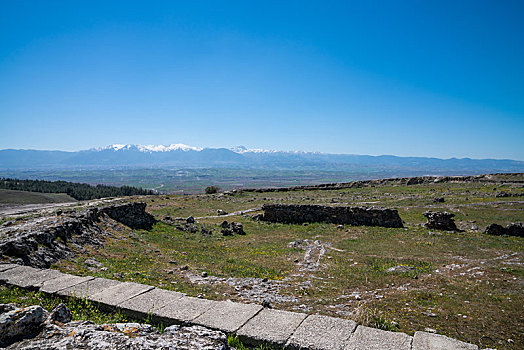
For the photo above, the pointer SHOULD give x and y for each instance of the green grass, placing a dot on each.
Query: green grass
(82, 309)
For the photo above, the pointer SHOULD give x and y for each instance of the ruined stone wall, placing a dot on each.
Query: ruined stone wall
(358, 216)
(53, 238)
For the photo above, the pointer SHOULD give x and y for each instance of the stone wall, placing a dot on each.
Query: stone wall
(358, 216)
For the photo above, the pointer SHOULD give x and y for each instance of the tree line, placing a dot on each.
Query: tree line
(78, 191)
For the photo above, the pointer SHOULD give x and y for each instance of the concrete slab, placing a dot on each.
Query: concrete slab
(110, 298)
(148, 302)
(4, 267)
(183, 310)
(14, 274)
(28, 277)
(227, 316)
(318, 332)
(366, 338)
(62, 282)
(430, 341)
(269, 326)
(88, 288)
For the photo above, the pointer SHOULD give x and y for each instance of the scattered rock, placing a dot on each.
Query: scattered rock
(401, 269)
(93, 263)
(237, 228)
(190, 220)
(61, 314)
(226, 232)
(221, 212)
(440, 220)
(204, 274)
(439, 200)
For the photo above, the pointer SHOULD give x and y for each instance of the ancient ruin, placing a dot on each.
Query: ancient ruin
(513, 229)
(358, 216)
(440, 220)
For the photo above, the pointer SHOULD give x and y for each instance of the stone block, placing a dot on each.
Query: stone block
(227, 316)
(183, 310)
(148, 302)
(62, 282)
(28, 277)
(269, 326)
(318, 332)
(88, 288)
(366, 338)
(430, 341)
(110, 298)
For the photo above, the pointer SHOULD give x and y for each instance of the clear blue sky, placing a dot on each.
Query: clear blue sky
(417, 78)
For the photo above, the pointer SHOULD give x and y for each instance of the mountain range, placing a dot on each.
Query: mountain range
(183, 156)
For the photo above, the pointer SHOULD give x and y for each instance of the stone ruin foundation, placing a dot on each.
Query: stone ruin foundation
(357, 216)
(440, 220)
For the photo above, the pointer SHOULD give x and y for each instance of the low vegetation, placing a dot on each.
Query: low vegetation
(82, 309)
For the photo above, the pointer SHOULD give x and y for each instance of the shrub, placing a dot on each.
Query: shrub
(212, 189)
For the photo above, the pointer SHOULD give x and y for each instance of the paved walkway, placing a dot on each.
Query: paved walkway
(251, 322)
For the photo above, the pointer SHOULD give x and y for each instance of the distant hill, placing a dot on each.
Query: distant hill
(182, 156)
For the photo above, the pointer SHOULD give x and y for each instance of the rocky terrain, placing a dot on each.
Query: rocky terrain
(44, 240)
(32, 328)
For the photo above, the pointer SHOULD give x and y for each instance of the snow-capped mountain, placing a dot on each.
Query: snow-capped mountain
(150, 148)
(184, 156)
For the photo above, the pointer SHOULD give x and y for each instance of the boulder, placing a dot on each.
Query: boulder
(440, 220)
(61, 314)
(237, 228)
(21, 323)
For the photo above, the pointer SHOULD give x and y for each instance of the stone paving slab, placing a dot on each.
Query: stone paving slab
(111, 297)
(4, 267)
(270, 326)
(430, 341)
(318, 332)
(183, 310)
(11, 275)
(28, 277)
(149, 302)
(227, 316)
(366, 338)
(88, 288)
(63, 282)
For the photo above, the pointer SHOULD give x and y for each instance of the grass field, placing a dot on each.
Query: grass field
(24, 197)
(466, 285)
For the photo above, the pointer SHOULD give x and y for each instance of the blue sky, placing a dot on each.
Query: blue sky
(409, 78)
